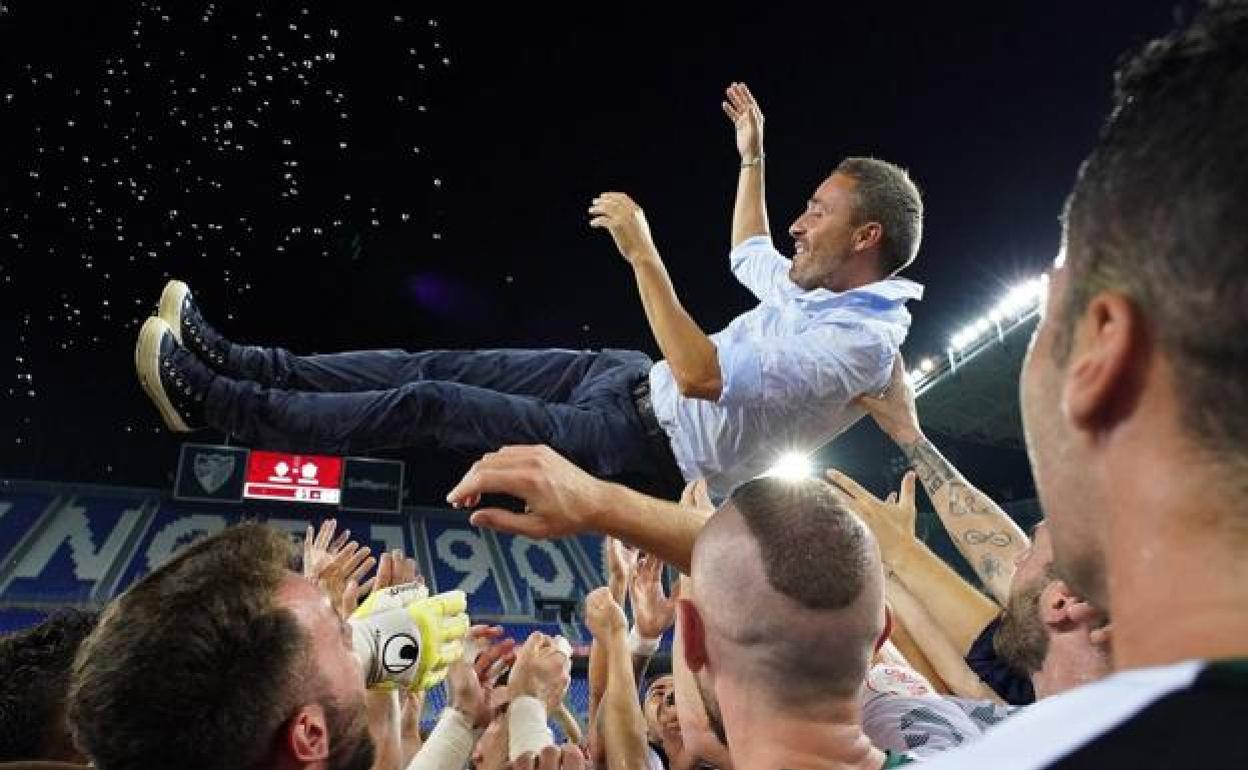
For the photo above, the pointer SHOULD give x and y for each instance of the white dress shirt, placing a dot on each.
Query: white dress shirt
(789, 369)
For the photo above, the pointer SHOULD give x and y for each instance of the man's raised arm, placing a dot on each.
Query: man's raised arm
(563, 500)
(749, 214)
(691, 354)
(755, 261)
(985, 535)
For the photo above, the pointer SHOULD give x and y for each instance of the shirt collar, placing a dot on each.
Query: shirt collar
(889, 289)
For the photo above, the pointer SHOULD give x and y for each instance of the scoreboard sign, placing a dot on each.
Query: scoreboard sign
(293, 478)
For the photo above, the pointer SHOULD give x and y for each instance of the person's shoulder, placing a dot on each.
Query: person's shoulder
(1208, 714)
(1044, 734)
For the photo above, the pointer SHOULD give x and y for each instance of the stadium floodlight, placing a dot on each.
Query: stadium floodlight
(963, 339)
(791, 466)
(926, 365)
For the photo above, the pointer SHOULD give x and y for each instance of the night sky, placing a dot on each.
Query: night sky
(334, 176)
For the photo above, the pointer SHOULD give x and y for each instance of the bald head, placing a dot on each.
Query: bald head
(790, 588)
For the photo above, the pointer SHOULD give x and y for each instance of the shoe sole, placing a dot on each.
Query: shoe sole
(171, 299)
(147, 365)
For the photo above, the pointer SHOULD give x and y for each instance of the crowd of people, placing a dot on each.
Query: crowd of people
(812, 628)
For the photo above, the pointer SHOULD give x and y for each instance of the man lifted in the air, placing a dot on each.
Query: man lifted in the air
(723, 407)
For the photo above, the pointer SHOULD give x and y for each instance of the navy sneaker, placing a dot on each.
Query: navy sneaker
(178, 309)
(175, 380)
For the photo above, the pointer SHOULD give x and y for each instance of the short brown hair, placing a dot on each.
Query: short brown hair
(195, 666)
(814, 550)
(1157, 214)
(886, 194)
(818, 554)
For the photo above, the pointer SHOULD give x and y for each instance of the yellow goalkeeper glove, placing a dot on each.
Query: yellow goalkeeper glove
(406, 638)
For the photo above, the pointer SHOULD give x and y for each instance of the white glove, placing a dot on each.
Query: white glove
(409, 644)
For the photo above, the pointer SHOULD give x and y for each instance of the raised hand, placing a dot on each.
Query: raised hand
(620, 561)
(627, 224)
(413, 644)
(894, 410)
(603, 615)
(653, 611)
(542, 670)
(747, 119)
(891, 520)
(318, 549)
(336, 564)
(695, 495)
(466, 681)
(559, 497)
(395, 569)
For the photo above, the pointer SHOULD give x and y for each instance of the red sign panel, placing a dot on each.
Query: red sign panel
(294, 478)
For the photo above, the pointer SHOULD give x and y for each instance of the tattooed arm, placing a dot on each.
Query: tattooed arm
(960, 609)
(983, 533)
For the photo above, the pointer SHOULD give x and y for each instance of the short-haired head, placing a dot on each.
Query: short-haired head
(1145, 332)
(790, 588)
(1157, 214)
(203, 663)
(886, 194)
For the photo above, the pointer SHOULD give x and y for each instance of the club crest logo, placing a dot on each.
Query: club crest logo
(213, 470)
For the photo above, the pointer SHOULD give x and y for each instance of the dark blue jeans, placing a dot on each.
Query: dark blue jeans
(579, 403)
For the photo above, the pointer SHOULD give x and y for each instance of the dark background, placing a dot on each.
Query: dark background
(334, 176)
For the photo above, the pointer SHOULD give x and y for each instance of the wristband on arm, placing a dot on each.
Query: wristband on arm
(526, 724)
(640, 645)
(449, 746)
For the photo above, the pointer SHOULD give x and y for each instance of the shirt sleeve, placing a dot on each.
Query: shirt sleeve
(760, 268)
(922, 726)
(834, 361)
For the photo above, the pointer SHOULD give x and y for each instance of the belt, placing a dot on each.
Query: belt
(668, 470)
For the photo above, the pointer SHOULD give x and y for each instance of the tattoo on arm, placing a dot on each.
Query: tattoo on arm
(989, 567)
(964, 500)
(991, 537)
(934, 471)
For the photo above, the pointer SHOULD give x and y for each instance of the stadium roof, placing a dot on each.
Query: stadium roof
(977, 400)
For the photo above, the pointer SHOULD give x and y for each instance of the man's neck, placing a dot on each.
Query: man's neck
(1177, 568)
(760, 737)
(856, 280)
(1072, 660)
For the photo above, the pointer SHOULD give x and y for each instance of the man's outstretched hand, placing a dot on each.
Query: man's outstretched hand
(560, 498)
(747, 120)
(627, 224)
(894, 410)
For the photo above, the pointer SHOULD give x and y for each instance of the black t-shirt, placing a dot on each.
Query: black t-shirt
(1199, 726)
(1012, 687)
(1188, 715)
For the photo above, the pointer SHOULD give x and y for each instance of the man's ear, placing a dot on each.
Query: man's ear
(1062, 608)
(1107, 337)
(866, 236)
(307, 734)
(693, 634)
